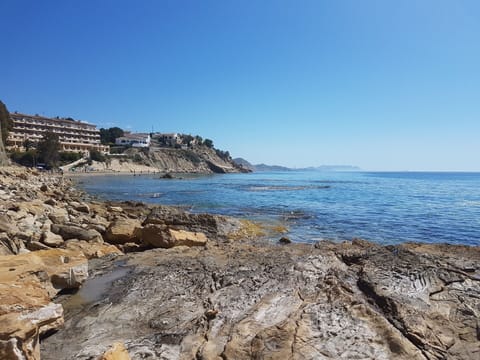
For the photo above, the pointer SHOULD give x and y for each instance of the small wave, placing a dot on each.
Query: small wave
(470, 203)
(286, 188)
(296, 215)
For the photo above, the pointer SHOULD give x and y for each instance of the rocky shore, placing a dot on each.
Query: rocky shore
(81, 279)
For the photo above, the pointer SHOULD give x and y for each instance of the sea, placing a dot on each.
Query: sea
(383, 207)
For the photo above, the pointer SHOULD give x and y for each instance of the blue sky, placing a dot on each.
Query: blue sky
(384, 85)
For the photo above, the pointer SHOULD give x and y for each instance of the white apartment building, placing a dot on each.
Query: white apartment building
(74, 135)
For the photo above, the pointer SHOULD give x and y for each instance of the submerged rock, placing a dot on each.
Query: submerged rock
(285, 240)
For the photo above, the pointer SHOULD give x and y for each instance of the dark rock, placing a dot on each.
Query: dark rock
(82, 207)
(36, 245)
(285, 240)
(68, 232)
(51, 202)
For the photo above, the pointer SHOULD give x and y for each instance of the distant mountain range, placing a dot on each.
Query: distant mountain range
(263, 167)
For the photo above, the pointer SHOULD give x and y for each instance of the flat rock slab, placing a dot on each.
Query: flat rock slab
(27, 284)
(241, 301)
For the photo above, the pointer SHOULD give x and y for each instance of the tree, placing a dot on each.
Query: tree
(208, 143)
(49, 149)
(187, 139)
(97, 156)
(5, 121)
(108, 136)
(28, 144)
(5, 126)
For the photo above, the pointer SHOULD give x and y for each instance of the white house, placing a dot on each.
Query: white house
(170, 139)
(137, 140)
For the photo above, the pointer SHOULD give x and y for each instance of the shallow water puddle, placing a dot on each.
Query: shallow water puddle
(94, 289)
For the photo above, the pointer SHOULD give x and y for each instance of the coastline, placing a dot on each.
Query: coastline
(200, 285)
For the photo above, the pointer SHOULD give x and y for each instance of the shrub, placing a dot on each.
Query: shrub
(27, 158)
(96, 155)
(67, 157)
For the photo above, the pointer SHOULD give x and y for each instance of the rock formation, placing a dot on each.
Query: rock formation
(198, 160)
(262, 301)
(199, 286)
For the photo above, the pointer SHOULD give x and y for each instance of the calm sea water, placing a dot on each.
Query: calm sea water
(383, 207)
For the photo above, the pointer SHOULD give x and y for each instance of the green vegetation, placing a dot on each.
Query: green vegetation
(48, 149)
(187, 139)
(118, 149)
(27, 158)
(97, 156)
(28, 144)
(67, 157)
(5, 121)
(108, 136)
(32, 158)
(225, 155)
(208, 143)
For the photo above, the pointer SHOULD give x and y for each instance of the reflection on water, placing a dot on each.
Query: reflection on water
(94, 289)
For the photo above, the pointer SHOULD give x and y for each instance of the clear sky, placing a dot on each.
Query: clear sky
(384, 85)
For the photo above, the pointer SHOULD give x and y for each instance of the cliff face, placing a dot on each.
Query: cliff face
(198, 160)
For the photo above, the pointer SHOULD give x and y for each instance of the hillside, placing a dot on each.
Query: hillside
(265, 168)
(259, 167)
(200, 159)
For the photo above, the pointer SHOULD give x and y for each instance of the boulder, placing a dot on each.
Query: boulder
(19, 335)
(8, 246)
(92, 250)
(285, 240)
(122, 231)
(179, 219)
(58, 215)
(51, 202)
(163, 237)
(75, 232)
(51, 239)
(7, 225)
(27, 284)
(36, 245)
(83, 207)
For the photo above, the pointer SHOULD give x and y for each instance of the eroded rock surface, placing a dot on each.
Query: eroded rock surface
(241, 301)
(28, 283)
